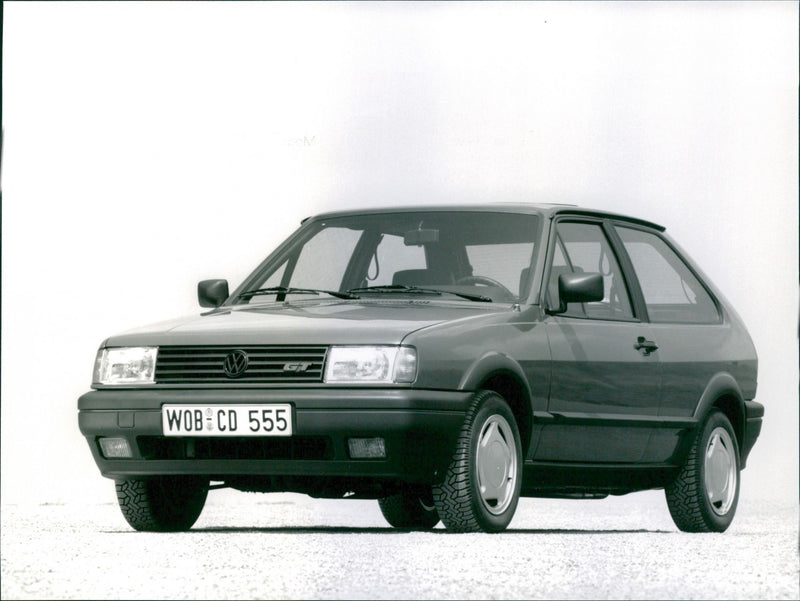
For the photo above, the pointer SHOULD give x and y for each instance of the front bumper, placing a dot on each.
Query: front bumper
(420, 428)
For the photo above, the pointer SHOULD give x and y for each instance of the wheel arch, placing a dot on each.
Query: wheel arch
(502, 374)
(723, 393)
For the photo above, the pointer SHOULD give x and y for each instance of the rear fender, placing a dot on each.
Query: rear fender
(724, 393)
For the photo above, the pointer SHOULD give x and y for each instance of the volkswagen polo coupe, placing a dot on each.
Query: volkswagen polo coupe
(444, 361)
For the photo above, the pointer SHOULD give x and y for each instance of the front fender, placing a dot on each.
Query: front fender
(489, 364)
(503, 374)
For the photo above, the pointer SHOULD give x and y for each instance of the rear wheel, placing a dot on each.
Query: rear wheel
(481, 487)
(162, 504)
(411, 510)
(704, 496)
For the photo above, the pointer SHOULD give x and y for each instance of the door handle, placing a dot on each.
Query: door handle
(644, 345)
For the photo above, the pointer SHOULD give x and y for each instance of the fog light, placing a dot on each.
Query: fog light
(115, 448)
(367, 448)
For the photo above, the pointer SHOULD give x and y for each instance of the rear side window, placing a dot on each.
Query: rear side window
(671, 291)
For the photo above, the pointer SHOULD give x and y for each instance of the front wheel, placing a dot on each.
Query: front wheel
(481, 487)
(162, 504)
(704, 496)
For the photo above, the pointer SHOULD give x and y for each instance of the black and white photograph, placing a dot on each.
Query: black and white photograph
(400, 300)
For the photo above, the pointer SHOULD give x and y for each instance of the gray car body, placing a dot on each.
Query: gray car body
(596, 415)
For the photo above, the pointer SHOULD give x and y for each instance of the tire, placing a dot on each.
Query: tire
(481, 486)
(704, 496)
(410, 510)
(162, 504)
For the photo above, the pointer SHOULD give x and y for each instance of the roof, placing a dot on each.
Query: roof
(549, 211)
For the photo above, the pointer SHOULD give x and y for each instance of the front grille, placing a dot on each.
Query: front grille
(295, 448)
(266, 364)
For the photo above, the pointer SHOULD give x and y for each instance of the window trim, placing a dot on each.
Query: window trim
(683, 259)
(606, 226)
(626, 264)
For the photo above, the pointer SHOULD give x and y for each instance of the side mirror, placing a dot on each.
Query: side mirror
(212, 293)
(579, 288)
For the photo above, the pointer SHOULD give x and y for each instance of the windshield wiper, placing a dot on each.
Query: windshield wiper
(283, 291)
(400, 288)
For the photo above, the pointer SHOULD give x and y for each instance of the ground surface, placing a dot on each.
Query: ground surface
(291, 546)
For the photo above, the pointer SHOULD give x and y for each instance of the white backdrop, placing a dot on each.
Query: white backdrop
(151, 145)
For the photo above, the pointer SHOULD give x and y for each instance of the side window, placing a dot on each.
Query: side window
(583, 247)
(671, 291)
(559, 260)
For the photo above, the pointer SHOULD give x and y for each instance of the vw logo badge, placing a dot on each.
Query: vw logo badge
(235, 364)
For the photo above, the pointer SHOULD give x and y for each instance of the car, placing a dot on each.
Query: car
(444, 360)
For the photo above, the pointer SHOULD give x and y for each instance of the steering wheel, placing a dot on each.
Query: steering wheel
(486, 281)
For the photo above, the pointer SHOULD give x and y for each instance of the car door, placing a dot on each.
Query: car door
(605, 376)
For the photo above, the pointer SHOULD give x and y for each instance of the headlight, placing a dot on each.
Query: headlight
(125, 365)
(371, 364)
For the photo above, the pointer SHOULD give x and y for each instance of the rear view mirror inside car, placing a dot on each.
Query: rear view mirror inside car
(419, 237)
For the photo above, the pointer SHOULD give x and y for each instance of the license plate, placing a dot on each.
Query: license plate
(227, 420)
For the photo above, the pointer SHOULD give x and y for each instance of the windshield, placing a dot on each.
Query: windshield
(476, 254)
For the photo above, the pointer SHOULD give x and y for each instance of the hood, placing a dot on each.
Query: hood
(304, 322)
